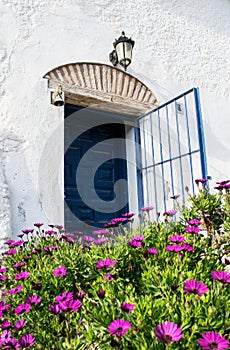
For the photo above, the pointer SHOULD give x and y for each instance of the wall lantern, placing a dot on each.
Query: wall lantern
(57, 97)
(123, 51)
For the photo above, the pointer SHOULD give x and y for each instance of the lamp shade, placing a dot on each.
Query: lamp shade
(124, 47)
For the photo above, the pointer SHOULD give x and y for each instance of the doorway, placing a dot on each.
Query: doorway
(98, 192)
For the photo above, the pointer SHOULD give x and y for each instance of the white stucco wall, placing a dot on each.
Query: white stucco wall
(179, 44)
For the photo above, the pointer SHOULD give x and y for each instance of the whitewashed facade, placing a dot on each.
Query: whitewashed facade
(178, 45)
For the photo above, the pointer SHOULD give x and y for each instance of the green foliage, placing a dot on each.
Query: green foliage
(154, 283)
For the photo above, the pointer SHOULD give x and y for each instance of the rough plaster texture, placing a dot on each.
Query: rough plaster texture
(179, 44)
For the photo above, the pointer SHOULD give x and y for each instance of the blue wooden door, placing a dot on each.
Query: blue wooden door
(79, 215)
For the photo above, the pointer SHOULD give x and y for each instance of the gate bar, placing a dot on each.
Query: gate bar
(203, 157)
(139, 162)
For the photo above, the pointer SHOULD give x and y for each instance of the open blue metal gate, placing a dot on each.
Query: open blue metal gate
(171, 151)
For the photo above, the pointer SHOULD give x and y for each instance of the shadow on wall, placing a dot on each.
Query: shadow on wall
(19, 201)
(5, 222)
(214, 146)
(24, 201)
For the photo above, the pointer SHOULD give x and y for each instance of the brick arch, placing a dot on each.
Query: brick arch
(87, 84)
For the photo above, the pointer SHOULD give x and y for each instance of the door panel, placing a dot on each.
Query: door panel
(104, 137)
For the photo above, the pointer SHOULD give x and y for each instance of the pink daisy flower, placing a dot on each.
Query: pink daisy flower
(15, 290)
(64, 297)
(128, 215)
(19, 325)
(5, 325)
(135, 244)
(192, 229)
(138, 238)
(170, 212)
(105, 264)
(221, 276)
(33, 300)
(60, 271)
(22, 276)
(174, 248)
(55, 309)
(187, 247)
(70, 305)
(202, 181)
(27, 231)
(22, 308)
(26, 341)
(126, 307)
(168, 332)
(151, 251)
(147, 208)
(177, 238)
(194, 222)
(119, 328)
(38, 224)
(194, 287)
(212, 340)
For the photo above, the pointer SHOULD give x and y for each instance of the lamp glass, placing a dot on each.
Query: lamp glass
(124, 53)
